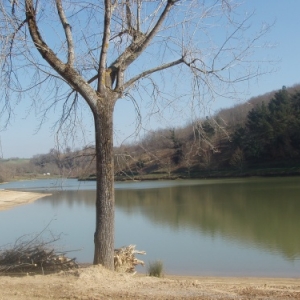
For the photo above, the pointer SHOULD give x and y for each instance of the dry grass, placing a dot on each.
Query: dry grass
(156, 268)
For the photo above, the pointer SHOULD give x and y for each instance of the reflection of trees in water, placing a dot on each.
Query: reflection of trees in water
(72, 198)
(264, 214)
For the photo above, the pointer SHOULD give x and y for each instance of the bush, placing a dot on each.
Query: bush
(156, 268)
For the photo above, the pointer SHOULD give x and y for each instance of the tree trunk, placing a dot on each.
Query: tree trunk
(104, 235)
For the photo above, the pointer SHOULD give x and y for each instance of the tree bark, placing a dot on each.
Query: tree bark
(104, 235)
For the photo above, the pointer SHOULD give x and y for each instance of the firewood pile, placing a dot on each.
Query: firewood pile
(125, 260)
(34, 257)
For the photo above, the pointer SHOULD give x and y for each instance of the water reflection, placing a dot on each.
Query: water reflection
(262, 213)
(71, 198)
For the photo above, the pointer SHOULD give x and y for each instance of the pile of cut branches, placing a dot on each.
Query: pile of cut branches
(125, 260)
(34, 257)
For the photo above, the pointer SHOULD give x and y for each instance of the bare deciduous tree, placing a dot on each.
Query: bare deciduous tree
(61, 51)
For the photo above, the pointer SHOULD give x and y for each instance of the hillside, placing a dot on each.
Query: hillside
(259, 137)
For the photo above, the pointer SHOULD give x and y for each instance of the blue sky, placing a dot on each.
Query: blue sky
(22, 139)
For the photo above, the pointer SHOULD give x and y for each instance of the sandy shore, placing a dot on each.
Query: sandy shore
(10, 199)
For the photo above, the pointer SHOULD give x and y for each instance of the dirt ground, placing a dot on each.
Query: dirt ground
(95, 282)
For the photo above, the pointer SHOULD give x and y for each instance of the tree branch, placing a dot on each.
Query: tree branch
(131, 53)
(39, 43)
(105, 45)
(66, 71)
(192, 65)
(139, 44)
(128, 15)
(68, 33)
(138, 15)
(151, 71)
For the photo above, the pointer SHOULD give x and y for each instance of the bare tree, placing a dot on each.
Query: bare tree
(62, 51)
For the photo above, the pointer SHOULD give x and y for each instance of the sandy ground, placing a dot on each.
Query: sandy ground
(95, 282)
(9, 199)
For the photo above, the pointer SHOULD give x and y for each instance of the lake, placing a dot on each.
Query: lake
(228, 227)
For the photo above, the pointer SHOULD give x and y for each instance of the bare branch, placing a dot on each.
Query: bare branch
(151, 71)
(42, 47)
(138, 15)
(105, 45)
(128, 15)
(66, 71)
(140, 43)
(68, 33)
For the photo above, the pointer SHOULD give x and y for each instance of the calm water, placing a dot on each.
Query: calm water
(244, 227)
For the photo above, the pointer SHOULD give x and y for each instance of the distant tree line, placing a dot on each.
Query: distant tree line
(66, 163)
(261, 133)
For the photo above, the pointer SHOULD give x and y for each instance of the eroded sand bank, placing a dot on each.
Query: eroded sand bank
(10, 199)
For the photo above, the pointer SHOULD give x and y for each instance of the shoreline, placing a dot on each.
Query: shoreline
(179, 176)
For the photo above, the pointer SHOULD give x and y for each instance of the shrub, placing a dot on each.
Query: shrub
(155, 268)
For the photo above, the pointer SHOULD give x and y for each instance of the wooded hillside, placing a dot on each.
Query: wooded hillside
(259, 137)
